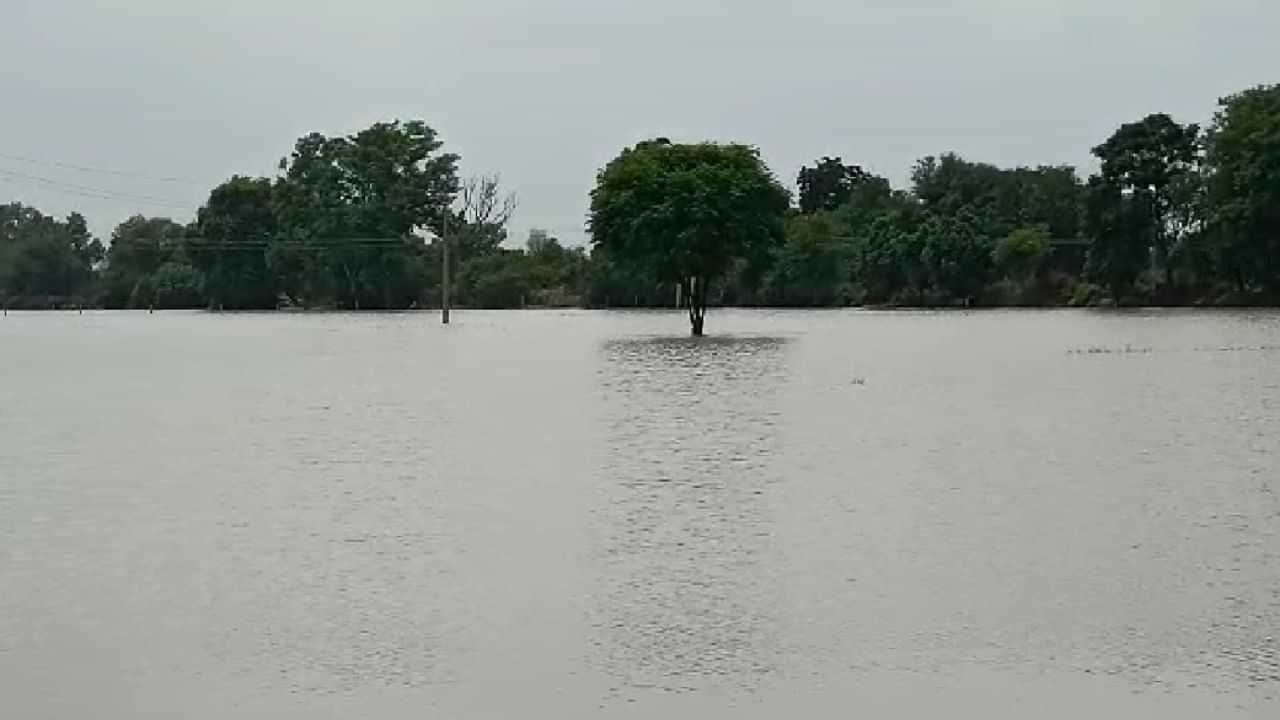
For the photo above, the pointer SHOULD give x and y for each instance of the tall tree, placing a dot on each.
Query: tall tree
(1001, 200)
(1243, 193)
(44, 261)
(349, 208)
(140, 248)
(1149, 160)
(945, 185)
(686, 212)
(236, 229)
(88, 250)
(830, 183)
(1120, 243)
(1048, 196)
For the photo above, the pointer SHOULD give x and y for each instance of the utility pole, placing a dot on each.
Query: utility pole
(444, 291)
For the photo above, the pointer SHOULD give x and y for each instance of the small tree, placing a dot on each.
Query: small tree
(812, 267)
(1019, 254)
(480, 226)
(955, 256)
(684, 213)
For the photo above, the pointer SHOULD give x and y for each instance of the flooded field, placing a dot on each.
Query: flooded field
(586, 514)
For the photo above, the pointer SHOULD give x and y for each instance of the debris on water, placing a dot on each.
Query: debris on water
(1238, 348)
(1127, 349)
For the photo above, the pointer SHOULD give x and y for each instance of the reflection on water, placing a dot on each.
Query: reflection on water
(685, 516)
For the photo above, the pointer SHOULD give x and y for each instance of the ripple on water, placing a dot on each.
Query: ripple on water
(684, 520)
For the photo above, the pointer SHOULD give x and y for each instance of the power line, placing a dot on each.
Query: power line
(100, 171)
(100, 196)
(98, 193)
(557, 228)
(95, 192)
(312, 242)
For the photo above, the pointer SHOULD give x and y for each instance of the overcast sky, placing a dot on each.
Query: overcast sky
(546, 92)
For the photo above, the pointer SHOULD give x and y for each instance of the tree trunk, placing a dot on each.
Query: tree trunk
(351, 284)
(696, 293)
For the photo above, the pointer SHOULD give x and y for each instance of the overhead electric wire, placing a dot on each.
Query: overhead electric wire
(99, 193)
(99, 171)
(96, 192)
(314, 242)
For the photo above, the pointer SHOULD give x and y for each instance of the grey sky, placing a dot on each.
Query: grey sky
(546, 92)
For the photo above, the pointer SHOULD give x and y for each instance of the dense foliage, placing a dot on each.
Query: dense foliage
(683, 214)
(1175, 214)
(45, 262)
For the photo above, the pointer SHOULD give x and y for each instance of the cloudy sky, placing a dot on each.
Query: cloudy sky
(114, 107)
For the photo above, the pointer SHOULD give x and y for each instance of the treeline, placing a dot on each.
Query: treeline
(1176, 214)
(351, 222)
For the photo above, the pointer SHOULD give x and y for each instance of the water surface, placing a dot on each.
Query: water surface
(584, 514)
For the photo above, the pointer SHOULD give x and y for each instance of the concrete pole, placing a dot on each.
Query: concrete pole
(444, 291)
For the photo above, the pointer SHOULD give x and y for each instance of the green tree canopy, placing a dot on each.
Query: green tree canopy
(830, 183)
(686, 212)
(1148, 160)
(43, 260)
(1172, 216)
(1001, 200)
(1120, 227)
(1019, 254)
(349, 206)
(956, 256)
(236, 228)
(140, 247)
(812, 266)
(499, 279)
(1243, 191)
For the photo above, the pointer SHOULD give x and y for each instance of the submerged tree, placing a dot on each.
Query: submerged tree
(685, 212)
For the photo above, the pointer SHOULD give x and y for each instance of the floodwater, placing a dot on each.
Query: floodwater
(535, 514)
